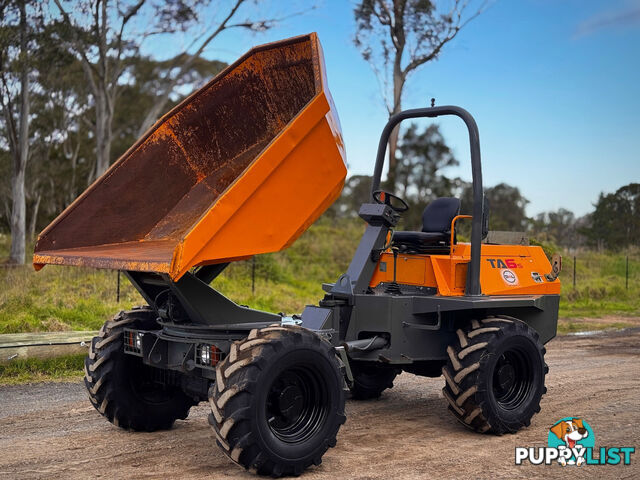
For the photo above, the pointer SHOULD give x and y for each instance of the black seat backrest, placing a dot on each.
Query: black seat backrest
(438, 215)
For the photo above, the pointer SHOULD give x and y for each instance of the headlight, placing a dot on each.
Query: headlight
(205, 354)
(208, 355)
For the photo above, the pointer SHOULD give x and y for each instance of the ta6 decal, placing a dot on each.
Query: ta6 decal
(506, 263)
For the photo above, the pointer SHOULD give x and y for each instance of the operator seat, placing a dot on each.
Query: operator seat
(435, 236)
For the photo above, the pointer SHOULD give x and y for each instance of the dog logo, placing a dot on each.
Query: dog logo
(573, 435)
(571, 442)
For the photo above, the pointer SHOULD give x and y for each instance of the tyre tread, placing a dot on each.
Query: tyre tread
(464, 398)
(103, 392)
(236, 377)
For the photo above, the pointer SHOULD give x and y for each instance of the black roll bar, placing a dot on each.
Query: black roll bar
(473, 274)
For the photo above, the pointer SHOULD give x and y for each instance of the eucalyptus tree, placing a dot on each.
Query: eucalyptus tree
(21, 20)
(397, 37)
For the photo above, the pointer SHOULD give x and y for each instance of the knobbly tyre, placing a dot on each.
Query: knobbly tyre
(242, 167)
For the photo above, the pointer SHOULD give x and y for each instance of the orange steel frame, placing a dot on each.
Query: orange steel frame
(504, 269)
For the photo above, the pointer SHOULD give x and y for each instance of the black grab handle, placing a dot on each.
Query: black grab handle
(473, 274)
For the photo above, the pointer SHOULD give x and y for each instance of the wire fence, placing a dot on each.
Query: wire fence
(584, 270)
(249, 273)
(577, 263)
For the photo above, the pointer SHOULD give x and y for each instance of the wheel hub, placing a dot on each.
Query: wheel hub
(512, 379)
(296, 404)
(291, 402)
(506, 376)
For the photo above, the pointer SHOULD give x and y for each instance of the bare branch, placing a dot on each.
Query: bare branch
(185, 62)
(99, 36)
(383, 85)
(396, 37)
(117, 71)
(85, 60)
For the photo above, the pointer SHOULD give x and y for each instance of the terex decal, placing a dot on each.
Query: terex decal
(506, 263)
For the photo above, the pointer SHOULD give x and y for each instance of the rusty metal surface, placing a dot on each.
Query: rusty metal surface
(146, 256)
(134, 216)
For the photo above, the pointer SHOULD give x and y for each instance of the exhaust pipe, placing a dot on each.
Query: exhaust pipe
(366, 344)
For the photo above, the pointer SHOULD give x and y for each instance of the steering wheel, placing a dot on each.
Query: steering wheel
(388, 200)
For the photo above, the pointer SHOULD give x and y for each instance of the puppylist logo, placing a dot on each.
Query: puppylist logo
(571, 442)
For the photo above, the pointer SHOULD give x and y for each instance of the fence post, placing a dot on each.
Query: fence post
(253, 275)
(626, 280)
(118, 289)
(574, 272)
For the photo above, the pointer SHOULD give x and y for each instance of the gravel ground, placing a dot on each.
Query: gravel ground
(52, 431)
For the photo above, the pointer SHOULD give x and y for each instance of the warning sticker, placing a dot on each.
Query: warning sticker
(509, 277)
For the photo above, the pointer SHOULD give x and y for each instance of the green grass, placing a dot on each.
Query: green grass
(68, 298)
(31, 370)
(571, 326)
(600, 285)
(59, 299)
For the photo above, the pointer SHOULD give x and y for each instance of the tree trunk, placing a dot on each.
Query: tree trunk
(393, 159)
(20, 154)
(103, 134)
(34, 217)
(71, 153)
(398, 84)
(154, 112)
(106, 150)
(18, 218)
(103, 87)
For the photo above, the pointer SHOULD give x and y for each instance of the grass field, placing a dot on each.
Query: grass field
(600, 285)
(28, 370)
(66, 298)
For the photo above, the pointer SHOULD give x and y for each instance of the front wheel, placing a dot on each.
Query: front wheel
(125, 391)
(495, 375)
(278, 400)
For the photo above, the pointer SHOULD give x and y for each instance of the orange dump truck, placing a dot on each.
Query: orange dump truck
(242, 167)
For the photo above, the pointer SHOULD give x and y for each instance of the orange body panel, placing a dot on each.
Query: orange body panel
(241, 167)
(504, 270)
(412, 270)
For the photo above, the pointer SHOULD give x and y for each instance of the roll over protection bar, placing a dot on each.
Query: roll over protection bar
(473, 273)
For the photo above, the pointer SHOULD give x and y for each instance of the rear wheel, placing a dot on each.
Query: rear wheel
(495, 375)
(370, 379)
(278, 400)
(126, 392)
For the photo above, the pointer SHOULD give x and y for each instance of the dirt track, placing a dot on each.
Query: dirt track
(51, 430)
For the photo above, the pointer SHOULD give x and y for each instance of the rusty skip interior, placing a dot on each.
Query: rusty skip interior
(151, 197)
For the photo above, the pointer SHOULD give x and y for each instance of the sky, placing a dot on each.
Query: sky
(554, 86)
